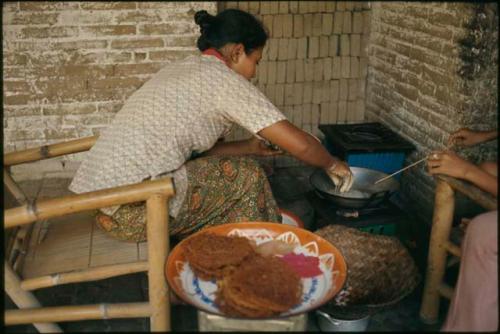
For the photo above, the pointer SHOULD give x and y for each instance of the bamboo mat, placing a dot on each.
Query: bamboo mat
(74, 242)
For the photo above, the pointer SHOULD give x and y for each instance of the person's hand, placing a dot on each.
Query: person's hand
(466, 137)
(341, 175)
(448, 163)
(261, 147)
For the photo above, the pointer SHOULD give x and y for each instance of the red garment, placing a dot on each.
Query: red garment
(213, 52)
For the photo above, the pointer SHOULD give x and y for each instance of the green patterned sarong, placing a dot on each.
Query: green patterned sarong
(221, 189)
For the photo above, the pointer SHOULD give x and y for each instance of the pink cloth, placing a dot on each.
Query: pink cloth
(474, 306)
(213, 52)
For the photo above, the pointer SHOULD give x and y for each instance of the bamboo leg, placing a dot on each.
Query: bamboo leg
(444, 205)
(25, 299)
(157, 234)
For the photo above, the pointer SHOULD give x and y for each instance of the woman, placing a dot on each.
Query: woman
(173, 124)
(474, 306)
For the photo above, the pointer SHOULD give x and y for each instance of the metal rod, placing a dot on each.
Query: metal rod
(402, 169)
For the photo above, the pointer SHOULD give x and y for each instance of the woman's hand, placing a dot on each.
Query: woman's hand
(341, 175)
(466, 137)
(448, 163)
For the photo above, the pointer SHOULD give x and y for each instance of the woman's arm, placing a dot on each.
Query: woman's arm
(308, 149)
(448, 163)
(482, 179)
(298, 143)
(241, 147)
(467, 137)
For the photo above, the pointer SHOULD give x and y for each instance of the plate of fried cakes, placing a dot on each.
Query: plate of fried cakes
(255, 270)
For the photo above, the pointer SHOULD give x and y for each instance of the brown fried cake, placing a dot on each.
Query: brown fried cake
(213, 256)
(259, 287)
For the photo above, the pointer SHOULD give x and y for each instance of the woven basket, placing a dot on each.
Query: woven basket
(380, 271)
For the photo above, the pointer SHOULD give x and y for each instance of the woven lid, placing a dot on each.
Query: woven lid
(380, 270)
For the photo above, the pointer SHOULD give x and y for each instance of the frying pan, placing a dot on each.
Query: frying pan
(363, 193)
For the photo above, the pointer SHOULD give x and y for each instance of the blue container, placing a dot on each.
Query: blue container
(368, 145)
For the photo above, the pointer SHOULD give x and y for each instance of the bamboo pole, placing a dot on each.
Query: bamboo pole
(88, 201)
(444, 205)
(12, 186)
(445, 290)
(92, 274)
(157, 235)
(76, 313)
(452, 248)
(474, 193)
(18, 243)
(12, 249)
(24, 299)
(49, 151)
(21, 248)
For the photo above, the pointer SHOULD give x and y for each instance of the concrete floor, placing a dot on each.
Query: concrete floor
(289, 186)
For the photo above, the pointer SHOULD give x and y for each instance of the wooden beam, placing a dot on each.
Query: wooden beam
(158, 239)
(88, 201)
(477, 195)
(12, 186)
(49, 151)
(444, 205)
(24, 299)
(445, 290)
(92, 274)
(77, 313)
(452, 248)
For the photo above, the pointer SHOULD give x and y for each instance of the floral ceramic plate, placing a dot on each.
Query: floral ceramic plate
(317, 290)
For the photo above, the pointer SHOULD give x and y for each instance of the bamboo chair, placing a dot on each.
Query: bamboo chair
(441, 245)
(74, 237)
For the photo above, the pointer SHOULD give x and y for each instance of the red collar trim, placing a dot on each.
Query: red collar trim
(213, 52)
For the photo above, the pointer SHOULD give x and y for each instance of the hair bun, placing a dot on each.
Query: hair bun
(203, 19)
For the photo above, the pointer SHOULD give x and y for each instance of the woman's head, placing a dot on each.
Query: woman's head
(236, 34)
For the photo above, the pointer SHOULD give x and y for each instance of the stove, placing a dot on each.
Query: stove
(369, 145)
(382, 219)
(364, 137)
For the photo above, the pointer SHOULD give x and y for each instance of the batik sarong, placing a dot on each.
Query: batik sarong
(221, 189)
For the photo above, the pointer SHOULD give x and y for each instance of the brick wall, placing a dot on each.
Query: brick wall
(314, 65)
(68, 66)
(414, 85)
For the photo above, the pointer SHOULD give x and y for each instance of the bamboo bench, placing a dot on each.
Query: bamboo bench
(440, 244)
(75, 251)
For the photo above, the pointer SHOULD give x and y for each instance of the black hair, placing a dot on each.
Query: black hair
(230, 26)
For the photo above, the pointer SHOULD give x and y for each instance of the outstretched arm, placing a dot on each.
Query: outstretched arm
(449, 163)
(242, 147)
(308, 149)
(467, 137)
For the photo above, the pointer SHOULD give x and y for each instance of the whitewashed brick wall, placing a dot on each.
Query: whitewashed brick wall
(314, 65)
(68, 66)
(415, 88)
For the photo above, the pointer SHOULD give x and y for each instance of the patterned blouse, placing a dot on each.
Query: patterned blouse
(183, 109)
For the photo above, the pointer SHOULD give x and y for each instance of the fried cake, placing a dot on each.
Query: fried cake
(213, 256)
(259, 287)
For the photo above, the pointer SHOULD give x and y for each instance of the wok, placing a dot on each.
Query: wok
(363, 193)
